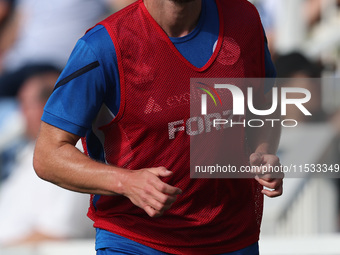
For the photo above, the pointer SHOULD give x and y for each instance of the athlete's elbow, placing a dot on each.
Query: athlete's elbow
(39, 164)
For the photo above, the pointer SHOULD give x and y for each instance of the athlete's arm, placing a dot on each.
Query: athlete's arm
(89, 81)
(58, 161)
(264, 143)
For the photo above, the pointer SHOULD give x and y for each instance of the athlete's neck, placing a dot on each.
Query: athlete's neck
(177, 17)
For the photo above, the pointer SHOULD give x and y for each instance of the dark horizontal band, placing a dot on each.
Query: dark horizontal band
(76, 74)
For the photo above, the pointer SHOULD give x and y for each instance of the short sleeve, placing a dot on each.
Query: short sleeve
(88, 80)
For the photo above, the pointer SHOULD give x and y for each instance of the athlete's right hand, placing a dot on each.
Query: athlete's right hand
(146, 190)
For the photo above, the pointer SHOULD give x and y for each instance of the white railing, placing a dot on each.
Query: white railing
(309, 245)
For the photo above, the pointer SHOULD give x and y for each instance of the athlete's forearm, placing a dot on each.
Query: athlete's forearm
(265, 140)
(58, 161)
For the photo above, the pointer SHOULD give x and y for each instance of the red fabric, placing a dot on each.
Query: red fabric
(212, 215)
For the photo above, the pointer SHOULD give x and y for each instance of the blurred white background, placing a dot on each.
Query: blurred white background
(305, 220)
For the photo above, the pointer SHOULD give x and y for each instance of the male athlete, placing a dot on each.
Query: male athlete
(115, 92)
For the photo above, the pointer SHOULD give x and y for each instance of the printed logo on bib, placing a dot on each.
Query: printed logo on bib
(230, 52)
(152, 106)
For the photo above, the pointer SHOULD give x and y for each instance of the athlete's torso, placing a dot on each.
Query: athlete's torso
(152, 72)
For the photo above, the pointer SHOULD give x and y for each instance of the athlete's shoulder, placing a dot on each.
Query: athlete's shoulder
(250, 7)
(96, 35)
(241, 13)
(98, 41)
(244, 5)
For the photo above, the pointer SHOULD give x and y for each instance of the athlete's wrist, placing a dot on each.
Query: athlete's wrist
(118, 180)
(265, 148)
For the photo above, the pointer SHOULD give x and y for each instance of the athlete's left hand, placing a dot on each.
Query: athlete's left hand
(272, 180)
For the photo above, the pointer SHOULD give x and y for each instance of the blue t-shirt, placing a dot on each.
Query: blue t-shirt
(90, 79)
